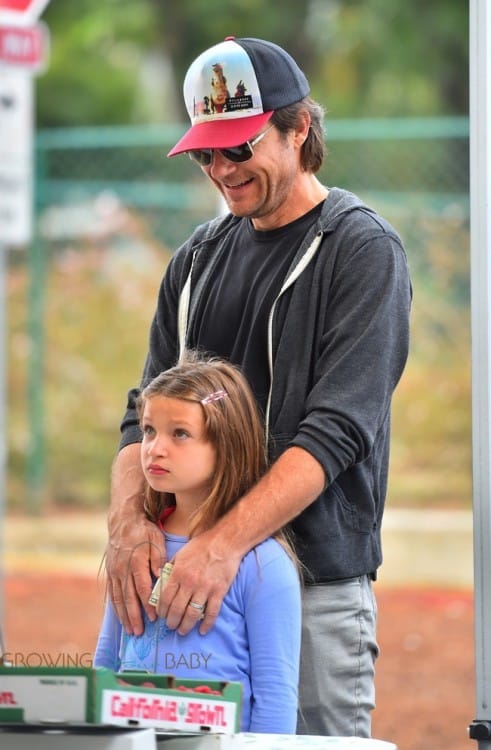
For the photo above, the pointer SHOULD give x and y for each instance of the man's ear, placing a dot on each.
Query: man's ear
(302, 128)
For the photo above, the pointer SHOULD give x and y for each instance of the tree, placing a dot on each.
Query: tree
(124, 61)
(96, 52)
(380, 59)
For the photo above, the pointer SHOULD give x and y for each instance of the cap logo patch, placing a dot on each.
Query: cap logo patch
(224, 88)
(221, 100)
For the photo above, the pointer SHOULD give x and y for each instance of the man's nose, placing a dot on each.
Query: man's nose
(220, 165)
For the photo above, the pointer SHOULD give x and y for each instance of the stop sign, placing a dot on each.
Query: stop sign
(21, 12)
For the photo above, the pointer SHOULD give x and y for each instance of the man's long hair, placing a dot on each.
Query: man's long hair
(314, 148)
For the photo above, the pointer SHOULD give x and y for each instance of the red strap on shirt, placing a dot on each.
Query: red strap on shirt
(165, 514)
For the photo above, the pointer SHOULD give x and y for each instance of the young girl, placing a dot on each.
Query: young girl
(203, 448)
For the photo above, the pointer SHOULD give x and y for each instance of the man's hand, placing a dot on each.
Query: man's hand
(135, 548)
(132, 552)
(202, 574)
(206, 566)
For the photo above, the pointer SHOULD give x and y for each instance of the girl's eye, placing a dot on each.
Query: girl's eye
(181, 434)
(148, 430)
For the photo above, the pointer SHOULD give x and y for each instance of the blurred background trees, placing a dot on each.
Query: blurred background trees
(123, 61)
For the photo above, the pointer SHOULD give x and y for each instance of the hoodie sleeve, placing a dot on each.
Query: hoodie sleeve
(363, 345)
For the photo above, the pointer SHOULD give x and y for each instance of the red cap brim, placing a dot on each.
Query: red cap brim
(221, 133)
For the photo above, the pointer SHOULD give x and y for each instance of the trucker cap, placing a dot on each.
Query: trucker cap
(232, 89)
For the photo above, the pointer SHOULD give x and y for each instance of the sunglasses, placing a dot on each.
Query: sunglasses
(237, 154)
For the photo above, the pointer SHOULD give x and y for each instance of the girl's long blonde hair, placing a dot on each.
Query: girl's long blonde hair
(233, 425)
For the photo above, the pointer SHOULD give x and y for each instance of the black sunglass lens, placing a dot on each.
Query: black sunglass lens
(201, 156)
(237, 153)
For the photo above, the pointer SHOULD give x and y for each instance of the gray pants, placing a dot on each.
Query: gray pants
(339, 650)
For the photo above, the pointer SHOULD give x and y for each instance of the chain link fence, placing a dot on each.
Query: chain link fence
(398, 164)
(110, 210)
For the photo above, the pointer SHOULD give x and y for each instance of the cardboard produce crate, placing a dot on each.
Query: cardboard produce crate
(56, 695)
(89, 737)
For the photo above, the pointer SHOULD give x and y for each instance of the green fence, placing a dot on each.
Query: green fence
(401, 163)
(110, 208)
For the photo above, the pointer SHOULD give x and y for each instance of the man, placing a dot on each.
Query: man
(308, 291)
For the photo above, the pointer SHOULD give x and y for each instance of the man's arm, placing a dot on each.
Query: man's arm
(135, 544)
(206, 566)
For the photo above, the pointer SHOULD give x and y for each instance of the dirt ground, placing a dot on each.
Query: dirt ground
(425, 676)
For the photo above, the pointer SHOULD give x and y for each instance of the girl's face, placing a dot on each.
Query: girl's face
(176, 456)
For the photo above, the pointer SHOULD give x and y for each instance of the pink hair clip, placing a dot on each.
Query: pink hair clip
(216, 396)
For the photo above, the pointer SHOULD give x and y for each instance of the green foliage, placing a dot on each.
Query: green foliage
(431, 446)
(124, 61)
(391, 59)
(99, 300)
(94, 68)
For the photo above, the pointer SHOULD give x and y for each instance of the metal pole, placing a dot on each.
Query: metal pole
(480, 164)
(3, 426)
(35, 386)
(36, 463)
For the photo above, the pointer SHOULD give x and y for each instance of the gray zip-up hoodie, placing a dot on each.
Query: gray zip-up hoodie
(338, 339)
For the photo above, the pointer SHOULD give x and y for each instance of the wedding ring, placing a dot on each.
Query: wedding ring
(199, 607)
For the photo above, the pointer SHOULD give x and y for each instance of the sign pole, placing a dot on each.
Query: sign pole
(480, 163)
(3, 426)
(23, 51)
